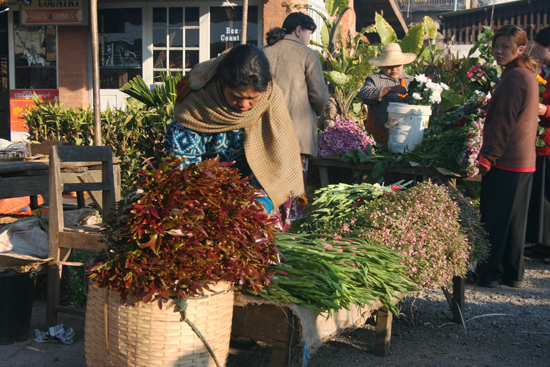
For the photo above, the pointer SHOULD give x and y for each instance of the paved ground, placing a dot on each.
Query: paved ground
(504, 327)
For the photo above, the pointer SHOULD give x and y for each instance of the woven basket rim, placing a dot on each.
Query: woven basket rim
(219, 287)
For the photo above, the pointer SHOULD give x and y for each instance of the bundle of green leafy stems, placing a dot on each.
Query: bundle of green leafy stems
(338, 199)
(326, 273)
(384, 159)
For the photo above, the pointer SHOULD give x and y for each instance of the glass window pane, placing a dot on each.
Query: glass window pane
(159, 37)
(159, 17)
(226, 25)
(191, 17)
(191, 58)
(176, 17)
(114, 78)
(176, 38)
(176, 59)
(120, 44)
(157, 75)
(35, 56)
(191, 38)
(35, 77)
(159, 59)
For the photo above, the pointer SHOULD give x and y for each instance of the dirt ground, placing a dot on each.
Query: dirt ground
(504, 327)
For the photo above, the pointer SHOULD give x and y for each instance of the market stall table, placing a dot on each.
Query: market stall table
(456, 299)
(30, 177)
(285, 325)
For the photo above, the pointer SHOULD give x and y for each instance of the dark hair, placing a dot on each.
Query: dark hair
(543, 37)
(518, 38)
(292, 21)
(244, 66)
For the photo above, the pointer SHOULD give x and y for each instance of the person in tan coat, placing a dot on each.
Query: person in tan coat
(297, 70)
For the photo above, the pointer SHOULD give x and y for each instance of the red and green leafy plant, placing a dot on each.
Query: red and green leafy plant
(185, 230)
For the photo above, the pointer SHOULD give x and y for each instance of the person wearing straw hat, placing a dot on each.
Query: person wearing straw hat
(388, 85)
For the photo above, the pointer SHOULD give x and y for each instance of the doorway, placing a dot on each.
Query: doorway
(4, 78)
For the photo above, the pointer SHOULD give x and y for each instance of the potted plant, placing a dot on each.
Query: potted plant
(181, 242)
(409, 120)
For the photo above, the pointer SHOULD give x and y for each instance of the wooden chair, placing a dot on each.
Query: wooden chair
(61, 239)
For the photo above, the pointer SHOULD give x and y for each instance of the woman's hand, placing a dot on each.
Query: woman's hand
(483, 170)
(542, 109)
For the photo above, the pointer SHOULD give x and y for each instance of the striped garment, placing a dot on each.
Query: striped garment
(370, 95)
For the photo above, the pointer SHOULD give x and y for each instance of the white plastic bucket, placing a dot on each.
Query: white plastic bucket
(407, 124)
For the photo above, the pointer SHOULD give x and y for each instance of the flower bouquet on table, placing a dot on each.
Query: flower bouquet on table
(344, 136)
(454, 139)
(182, 241)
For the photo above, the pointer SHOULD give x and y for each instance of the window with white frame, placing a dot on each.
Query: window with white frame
(176, 38)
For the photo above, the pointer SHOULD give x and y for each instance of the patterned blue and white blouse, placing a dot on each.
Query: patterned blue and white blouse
(195, 146)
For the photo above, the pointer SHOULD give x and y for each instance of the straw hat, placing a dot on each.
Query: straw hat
(392, 55)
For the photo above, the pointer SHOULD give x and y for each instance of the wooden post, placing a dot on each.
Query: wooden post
(95, 72)
(458, 298)
(383, 332)
(245, 22)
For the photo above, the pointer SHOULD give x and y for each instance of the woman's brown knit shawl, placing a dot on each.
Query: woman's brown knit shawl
(270, 143)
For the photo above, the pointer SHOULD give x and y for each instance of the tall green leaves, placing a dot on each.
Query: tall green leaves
(335, 6)
(161, 94)
(384, 29)
(412, 42)
(136, 133)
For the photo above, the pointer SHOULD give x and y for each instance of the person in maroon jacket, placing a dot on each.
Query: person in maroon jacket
(538, 220)
(507, 159)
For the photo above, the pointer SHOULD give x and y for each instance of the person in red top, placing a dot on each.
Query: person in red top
(507, 159)
(538, 220)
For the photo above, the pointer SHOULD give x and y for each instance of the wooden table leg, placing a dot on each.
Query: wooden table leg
(80, 201)
(383, 332)
(458, 298)
(281, 355)
(323, 174)
(34, 201)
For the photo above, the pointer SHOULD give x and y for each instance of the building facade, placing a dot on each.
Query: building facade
(45, 47)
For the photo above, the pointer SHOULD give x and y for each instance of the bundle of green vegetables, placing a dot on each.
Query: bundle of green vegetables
(326, 273)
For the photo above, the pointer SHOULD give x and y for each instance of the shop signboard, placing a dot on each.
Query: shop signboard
(54, 12)
(21, 100)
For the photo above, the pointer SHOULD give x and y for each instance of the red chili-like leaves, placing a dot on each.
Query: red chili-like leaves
(220, 233)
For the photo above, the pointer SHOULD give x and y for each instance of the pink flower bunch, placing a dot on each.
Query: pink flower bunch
(344, 136)
(476, 71)
(472, 146)
(483, 77)
(437, 236)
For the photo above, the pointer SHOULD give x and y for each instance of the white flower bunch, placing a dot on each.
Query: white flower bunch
(423, 91)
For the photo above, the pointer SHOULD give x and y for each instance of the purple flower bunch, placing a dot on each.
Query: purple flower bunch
(472, 145)
(343, 136)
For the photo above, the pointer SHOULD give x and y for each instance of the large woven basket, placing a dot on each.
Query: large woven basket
(142, 335)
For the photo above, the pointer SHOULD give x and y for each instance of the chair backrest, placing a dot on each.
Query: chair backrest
(72, 157)
(68, 163)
